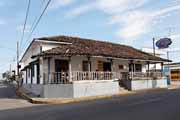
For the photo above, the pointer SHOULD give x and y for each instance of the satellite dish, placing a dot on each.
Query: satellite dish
(164, 43)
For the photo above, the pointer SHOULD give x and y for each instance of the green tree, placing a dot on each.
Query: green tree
(7, 75)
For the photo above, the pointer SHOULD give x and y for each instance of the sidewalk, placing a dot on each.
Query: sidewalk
(174, 85)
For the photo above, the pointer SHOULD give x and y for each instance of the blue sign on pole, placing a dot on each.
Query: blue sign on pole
(163, 43)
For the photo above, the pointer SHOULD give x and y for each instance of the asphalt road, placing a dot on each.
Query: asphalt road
(152, 106)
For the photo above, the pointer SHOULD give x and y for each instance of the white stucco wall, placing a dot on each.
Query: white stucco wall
(75, 90)
(35, 89)
(58, 91)
(86, 89)
(147, 84)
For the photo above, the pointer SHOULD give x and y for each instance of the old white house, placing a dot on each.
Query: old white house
(69, 67)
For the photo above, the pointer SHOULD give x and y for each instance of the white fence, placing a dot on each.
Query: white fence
(147, 75)
(65, 77)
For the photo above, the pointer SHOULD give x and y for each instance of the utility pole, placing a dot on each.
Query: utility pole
(18, 77)
(10, 70)
(154, 52)
(18, 58)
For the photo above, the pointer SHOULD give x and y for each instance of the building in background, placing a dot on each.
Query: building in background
(174, 70)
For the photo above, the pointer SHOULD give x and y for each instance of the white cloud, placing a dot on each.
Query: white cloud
(20, 28)
(118, 11)
(166, 10)
(82, 9)
(175, 36)
(59, 3)
(133, 24)
(133, 20)
(118, 6)
(108, 6)
(136, 23)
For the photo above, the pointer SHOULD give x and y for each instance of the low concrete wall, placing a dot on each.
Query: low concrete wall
(147, 84)
(36, 89)
(94, 88)
(75, 90)
(58, 91)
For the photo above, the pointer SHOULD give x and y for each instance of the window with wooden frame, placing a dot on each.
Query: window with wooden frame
(121, 67)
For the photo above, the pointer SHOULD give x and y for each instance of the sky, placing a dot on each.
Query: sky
(130, 22)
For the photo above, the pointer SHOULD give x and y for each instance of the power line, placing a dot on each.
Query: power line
(43, 1)
(25, 22)
(38, 20)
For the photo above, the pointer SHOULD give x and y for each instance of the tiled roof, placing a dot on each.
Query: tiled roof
(82, 46)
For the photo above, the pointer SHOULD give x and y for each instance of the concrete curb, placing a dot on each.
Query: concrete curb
(75, 100)
(71, 100)
(24, 96)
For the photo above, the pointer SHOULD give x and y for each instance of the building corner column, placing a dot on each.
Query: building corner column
(42, 76)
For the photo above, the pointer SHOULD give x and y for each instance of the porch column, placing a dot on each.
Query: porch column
(49, 69)
(155, 66)
(70, 69)
(26, 76)
(89, 63)
(111, 60)
(162, 65)
(35, 74)
(132, 68)
(148, 70)
(113, 75)
(41, 71)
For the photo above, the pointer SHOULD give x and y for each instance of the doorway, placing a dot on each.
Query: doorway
(107, 66)
(61, 66)
(61, 72)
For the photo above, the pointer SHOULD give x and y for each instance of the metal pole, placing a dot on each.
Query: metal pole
(18, 84)
(18, 58)
(154, 52)
(10, 70)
